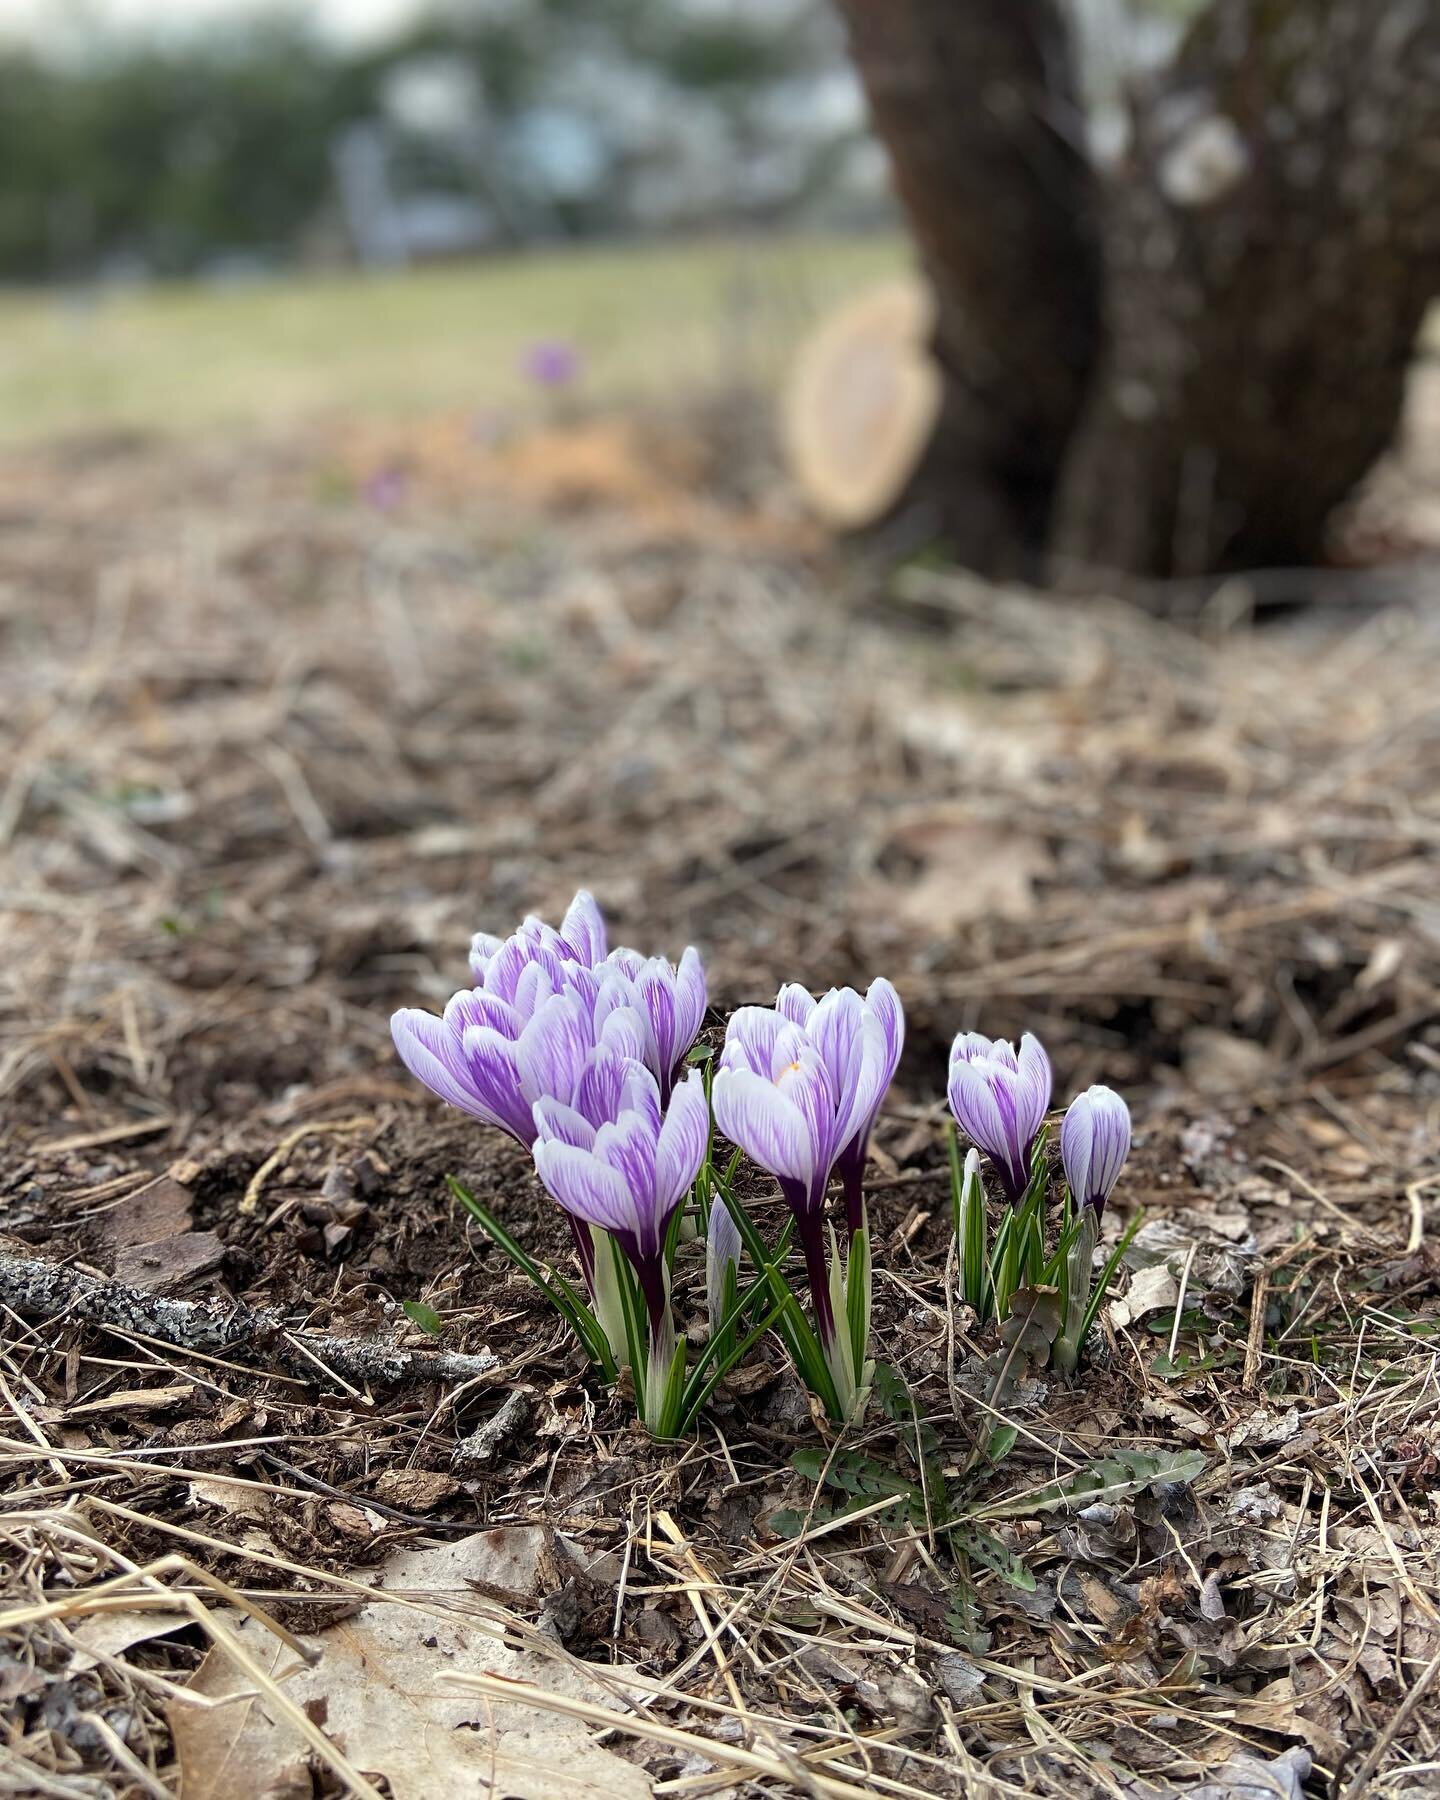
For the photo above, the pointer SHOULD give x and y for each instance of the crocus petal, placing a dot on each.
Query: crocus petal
(795, 1003)
(836, 1029)
(978, 1103)
(473, 1006)
(691, 999)
(583, 929)
(655, 989)
(750, 1039)
(628, 1147)
(556, 1121)
(434, 1054)
(584, 1186)
(868, 1088)
(626, 1031)
(680, 1149)
(641, 1094)
(751, 1112)
(622, 960)
(883, 1004)
(495, 1079)
(1033, 1088)
(806, 1085)
(599, 1093)
(483, 949)
(552, 1049)
(791, 1044)
(534, 984)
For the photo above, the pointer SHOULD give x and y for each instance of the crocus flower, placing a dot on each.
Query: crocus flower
(617, 1160)
(882, 1004)
(581, 938)
(552, 363)
(384, 488)
(999, 1101)
(1094, 1142)
(521, 1037)
(670, 998)
(722, 1253)
(795, 1098)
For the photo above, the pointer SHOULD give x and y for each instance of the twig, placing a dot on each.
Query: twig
(46, 1290)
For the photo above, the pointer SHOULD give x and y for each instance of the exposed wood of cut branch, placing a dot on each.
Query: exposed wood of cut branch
(44, 1290)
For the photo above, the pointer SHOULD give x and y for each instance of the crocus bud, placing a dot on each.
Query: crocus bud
(1094, 1142)
(722, 1254)
(999, 1099)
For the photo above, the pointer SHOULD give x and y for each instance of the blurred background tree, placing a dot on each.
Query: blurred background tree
(1181, 254)
(471, 126)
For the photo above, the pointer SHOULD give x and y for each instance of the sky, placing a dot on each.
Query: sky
(47, 21)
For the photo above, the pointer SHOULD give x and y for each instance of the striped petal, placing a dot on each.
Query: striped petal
(1032, 1091)
(583, 929)
(750, 1040)
(551, 1051)
(585, 1186)
(795, 1003)
(752, 1113)
(680, 1149)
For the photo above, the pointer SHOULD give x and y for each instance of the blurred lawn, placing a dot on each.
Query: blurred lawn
(645, 320)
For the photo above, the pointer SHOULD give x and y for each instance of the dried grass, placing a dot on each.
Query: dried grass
(270, 758)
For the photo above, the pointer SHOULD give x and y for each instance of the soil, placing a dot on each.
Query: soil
(273, 752)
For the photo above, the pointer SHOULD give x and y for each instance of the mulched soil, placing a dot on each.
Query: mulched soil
(272, 754)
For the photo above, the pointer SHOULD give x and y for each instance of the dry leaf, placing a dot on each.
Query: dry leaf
(113, 1633)
(414, 1490)
(967, 870)
(1150, 1290)
(380, 1692)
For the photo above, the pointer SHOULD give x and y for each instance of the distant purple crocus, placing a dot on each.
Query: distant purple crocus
(552, 363)
(1094, 1143)
(384, 489)
(795, 1098)
(999, 1100)
(616, 1159)
(882, 1004)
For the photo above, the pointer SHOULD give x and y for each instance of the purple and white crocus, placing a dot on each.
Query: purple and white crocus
(1094, 1143)
(999, 1099)
(620, 1162)
(798, 1090)
(882, 1005)
(543, 999)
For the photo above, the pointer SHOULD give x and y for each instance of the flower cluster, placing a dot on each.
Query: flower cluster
(576, 1051)
(586, 1055)
(1000, 1097)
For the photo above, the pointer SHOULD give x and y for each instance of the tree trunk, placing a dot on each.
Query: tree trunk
(1187, 359)
(974, 99)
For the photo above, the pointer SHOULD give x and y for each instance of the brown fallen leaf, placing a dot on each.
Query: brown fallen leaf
(379, 1689)
(105, 1634)
(414, 1490)
(967, 869)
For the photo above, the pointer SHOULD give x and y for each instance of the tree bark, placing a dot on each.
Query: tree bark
(976, 103)
(1230, 308)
